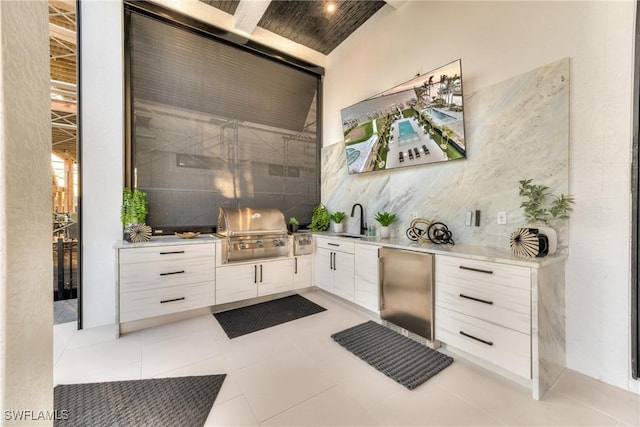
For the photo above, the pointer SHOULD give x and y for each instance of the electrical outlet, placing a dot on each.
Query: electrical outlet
(467, 218)
(502, 217)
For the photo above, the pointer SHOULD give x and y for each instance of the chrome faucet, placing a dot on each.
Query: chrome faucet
(363, 225)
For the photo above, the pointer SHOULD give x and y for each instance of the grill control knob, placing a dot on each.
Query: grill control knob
(278, 242)
(259, 243)
(241, 245)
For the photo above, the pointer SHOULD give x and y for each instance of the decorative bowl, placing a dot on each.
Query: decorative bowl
(187, 234)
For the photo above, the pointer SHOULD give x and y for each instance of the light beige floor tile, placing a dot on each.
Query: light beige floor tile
(212, 366)
(332, 407)
(511, 403)
(98, 361)
(174, 353)
(250, 349)
(98, 335)
(235, 412)
(175, 329)
(62, 335)
(617, 403)
(96, 374)
(281, 381)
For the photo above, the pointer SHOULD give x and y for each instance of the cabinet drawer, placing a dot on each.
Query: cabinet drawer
(506, 348)
(448, 267)
(503, 305)
(172, 272)
(165, 253)
(335, 245)
(157, 302)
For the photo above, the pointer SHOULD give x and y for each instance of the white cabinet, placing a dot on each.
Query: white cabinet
(236, 282)
(484, 308)
(275, 276)
(334, 267)
(158, 280)
(366, 277)
(302, 271)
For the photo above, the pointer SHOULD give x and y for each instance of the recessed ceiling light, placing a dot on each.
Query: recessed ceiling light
(331, 7)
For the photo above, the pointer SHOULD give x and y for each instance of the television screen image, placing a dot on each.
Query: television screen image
(415, 123)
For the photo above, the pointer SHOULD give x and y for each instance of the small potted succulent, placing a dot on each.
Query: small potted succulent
(293, 222)
(385, 219)
(337, 218)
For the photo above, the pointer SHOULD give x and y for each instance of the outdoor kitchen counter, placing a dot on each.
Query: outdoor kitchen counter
(167, 240)
(462, 251)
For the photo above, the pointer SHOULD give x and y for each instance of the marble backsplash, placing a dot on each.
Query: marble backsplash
(515, 129)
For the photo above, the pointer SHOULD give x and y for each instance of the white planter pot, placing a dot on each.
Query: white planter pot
(338, 227)
(385, 232)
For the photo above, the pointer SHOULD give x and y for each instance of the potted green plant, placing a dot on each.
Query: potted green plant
(319, 218)
(385, 219)
(133, 210)
(337, 218)
(541, 209)
(293, 222)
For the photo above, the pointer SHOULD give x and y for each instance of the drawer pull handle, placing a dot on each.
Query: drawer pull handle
(475, 338)
(333, 244)
(484, 301)
(172, 252)
(462, 267)
(171, 300)
(173, 272)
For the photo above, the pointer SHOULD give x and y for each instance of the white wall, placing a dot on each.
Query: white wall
(102, 127)
(498, 40)
(26, 269)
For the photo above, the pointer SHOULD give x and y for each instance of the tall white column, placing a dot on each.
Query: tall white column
(26, 270)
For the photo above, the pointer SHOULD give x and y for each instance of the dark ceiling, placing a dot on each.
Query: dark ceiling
(308, 22)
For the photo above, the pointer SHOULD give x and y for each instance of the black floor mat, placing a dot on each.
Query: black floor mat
(245, 320)
(398, 357)
(181, 401)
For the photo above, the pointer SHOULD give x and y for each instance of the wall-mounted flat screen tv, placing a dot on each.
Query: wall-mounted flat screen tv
(415, 123)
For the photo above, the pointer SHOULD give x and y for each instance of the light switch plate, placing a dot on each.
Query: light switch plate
(502, 217)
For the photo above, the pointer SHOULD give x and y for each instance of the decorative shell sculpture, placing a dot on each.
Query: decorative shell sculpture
(523, 243)
(140, 233)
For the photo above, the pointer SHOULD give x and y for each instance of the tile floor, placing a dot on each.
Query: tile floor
(295, 375)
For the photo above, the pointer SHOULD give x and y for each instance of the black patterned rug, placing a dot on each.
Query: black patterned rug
(245, 320)
(398, 357)
(181, 401)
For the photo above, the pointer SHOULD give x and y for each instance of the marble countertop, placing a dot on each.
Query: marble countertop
(463, 251)
(168, 240)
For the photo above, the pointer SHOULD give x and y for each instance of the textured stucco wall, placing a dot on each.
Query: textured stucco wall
(26, 322)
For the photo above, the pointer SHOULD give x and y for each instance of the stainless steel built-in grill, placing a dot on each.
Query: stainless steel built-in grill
(249, 233)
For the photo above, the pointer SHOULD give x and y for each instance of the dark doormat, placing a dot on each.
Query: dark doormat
(245, 320)
(398, 357)
(181, 401)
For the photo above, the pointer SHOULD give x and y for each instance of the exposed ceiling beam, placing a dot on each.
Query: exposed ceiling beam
(65, 126)
(248, 14)
(61, 33)
(63, 107)
(68, 5)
